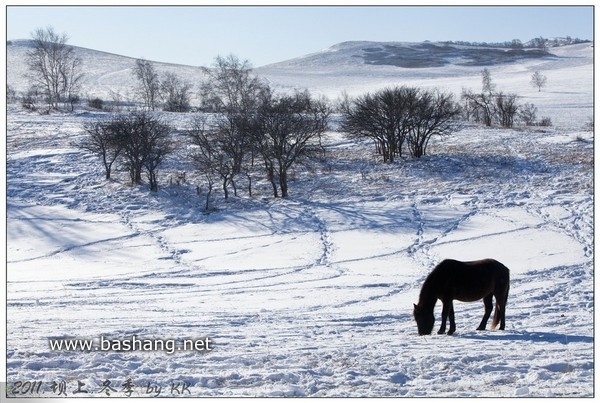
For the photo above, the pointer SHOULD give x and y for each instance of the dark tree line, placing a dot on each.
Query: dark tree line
(394, 117)
(535, 43)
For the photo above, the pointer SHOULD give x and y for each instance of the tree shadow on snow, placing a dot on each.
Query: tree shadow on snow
(544, 337)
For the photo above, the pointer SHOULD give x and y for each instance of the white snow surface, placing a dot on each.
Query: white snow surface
(312, 295)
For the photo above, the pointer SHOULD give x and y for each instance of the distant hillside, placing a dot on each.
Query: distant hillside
(420, 55)
(438, 55)
(348, 66)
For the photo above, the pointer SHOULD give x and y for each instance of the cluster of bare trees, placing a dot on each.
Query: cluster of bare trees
(139, 141)
(246, 131)
(252, 131)
(174, 93)
(396, 116)
(55, 72)
(490, 106)
(226, 145)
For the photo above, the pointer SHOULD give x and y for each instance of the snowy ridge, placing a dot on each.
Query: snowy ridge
(312, 295)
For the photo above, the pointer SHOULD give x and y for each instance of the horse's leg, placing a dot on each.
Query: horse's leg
(502, 307)
(445, 311)
(487, 302)
(500, 314)
(452, 323)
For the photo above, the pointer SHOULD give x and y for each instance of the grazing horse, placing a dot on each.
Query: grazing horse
(467, 282)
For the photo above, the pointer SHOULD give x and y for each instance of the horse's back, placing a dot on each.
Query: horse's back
(488, 264)
(497, 267)
(470, 280)
(498, 273)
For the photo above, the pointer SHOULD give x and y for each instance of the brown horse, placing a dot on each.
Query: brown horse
(464, 281)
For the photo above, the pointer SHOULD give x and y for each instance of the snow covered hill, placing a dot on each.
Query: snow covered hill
(105, 73)
(310, 295)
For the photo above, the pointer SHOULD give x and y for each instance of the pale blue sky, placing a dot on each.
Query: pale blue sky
(268, 34)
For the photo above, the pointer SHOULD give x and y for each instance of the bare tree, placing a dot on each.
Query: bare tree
(72, 82)
(159, 146)
(516, 44)
(486, 82)
(146, 141)
(538, 80)
(102, 139)
(31, 98)
(176, 93)
(527, 113)
(506, 107)
(434, 113)
(116, 100)
(148, 88)
(233, 93)
(291, 128)
(202, 156)
(209, 156)
(481, 105)
(540, 43)
(230, 85)
(11, 94)
(393, 116)
(54, 66)
(383, 116)
(365, 118)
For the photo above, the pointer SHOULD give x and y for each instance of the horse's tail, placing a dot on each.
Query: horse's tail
(500, 311)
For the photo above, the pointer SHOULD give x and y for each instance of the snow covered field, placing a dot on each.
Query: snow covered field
(312, 295)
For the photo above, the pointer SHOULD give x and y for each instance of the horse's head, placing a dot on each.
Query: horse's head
(424, 319)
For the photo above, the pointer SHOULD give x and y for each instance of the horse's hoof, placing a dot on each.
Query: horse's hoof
(450, 333)
(441, 332)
